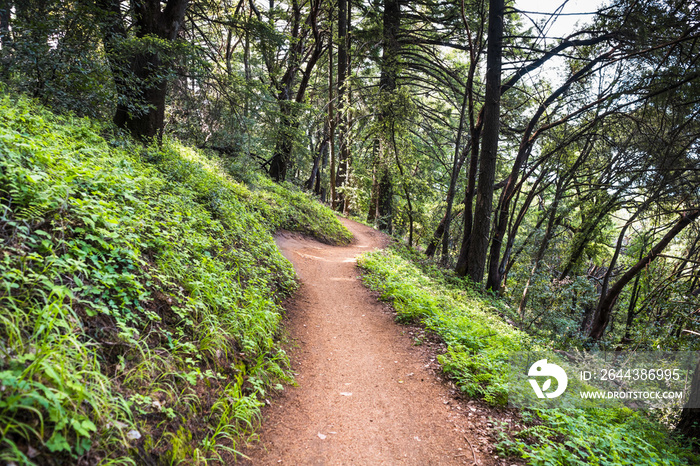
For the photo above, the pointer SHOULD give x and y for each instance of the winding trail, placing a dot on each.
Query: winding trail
(366, 395)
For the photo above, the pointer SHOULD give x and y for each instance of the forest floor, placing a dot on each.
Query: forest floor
(366, 393)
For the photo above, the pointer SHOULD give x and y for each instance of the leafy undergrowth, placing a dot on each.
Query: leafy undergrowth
(291, 209)
(138, 298)
(479, 343)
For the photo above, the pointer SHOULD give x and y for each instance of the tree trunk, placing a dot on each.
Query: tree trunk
(391, 21)
(385, 200)
(373, 211)
(468, 222)
(513, 258)
(479, 240)
(439, 231)
(607, 302)
(475, 49)
(542, 249)
(405, 188)
(496, 266)
(435, 240)
(689, 423)
(341, 176)
(588, 320)
(139, 80)
(464, 257)
(331, 116)
(281, 162)
(631, 310)
(149, 123)
(508, 259)
(515, 226)
(320, 156)
(456, 168)
(348, 118)
(445, 222)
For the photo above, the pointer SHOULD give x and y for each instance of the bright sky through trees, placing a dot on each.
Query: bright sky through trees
(536, 14)
(572, 11)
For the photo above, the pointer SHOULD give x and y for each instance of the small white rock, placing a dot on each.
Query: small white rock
(32, 452)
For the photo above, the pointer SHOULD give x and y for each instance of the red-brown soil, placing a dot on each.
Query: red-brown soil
(366, 393)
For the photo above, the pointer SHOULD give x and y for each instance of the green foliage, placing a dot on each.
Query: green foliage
(287, 207)
(52, 53)
(124, 52)
(478, 339)
(139, 295)
(555, 307)
(478, 346)
(601, 437)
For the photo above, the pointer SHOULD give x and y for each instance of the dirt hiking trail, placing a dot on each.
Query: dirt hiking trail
(366, 395)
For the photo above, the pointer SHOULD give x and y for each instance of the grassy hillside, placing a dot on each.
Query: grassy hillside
(479, 343)
(139, 321)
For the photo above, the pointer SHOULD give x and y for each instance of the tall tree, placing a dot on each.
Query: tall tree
(302, 51)
(479, 242)
(496, 266)
(140, 67)
(608, 300)
(391, 21)
(344, 8)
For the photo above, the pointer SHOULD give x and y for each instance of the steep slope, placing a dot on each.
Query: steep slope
(138, 301)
